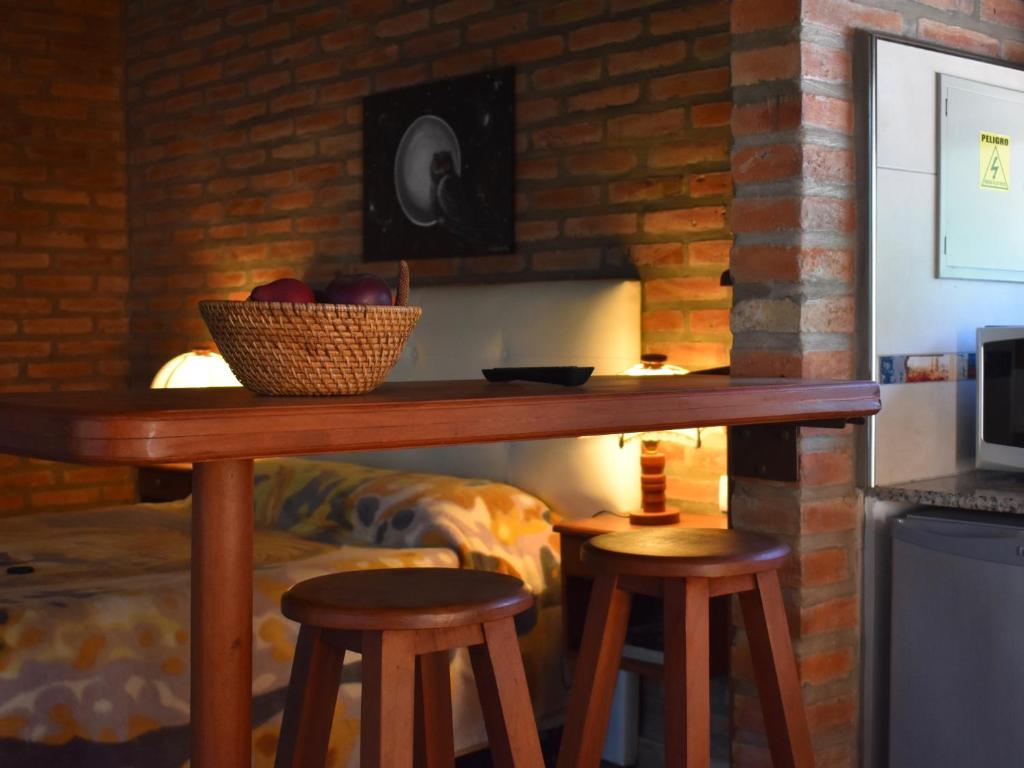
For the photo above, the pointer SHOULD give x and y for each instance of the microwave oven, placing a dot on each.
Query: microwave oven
(999, 443)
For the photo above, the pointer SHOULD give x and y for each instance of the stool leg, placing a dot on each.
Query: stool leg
(593, 683)
(505, 697)
(386, 729)
(433, 741)
(309, 707)
(778, 683)
(687, 673)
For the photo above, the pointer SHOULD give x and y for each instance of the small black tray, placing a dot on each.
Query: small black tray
(566, 375)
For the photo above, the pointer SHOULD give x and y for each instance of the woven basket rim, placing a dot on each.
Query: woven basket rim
(308, 306)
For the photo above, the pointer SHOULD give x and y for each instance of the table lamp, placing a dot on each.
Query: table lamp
(197, 368)
(652, 459)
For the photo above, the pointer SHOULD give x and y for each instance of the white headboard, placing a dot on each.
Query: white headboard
(467, 328)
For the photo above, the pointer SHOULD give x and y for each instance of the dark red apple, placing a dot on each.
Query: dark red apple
(357, 289)
(286, 289)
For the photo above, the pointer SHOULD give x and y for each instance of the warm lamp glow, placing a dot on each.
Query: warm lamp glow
(654, 364)
(198, 368)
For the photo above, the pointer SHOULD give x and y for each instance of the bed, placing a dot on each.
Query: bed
(94, 605)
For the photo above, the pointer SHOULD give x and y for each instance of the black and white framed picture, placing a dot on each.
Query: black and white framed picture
(438, 168)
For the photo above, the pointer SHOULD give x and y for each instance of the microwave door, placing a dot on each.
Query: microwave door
(1003, 418)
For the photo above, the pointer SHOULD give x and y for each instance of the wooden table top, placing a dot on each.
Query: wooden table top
(182, 425)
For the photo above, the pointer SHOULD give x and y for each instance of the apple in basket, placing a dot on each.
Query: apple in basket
(357, 289)
(287, 289)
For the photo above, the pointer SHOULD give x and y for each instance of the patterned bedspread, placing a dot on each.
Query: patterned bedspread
(94, 607)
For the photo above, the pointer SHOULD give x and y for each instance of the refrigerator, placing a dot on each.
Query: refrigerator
(957, 641)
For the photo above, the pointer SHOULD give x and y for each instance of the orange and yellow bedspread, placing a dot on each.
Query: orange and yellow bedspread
(94, 606)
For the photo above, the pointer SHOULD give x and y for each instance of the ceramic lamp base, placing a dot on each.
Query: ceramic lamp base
(653, 518)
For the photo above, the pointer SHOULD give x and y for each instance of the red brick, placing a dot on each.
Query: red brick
(462, 63)
(200, 30)
(757, 15)
(1007, 12)
(709, 252)
(563, 75)
(56, 196)
(605, 33)
(272, 131)
(497, 27)
(779, 113)
(569, 11)
(760, 65)
(566, 197)
(709, 321)
(685, 220)
(762, 163)
(600, 226)
(296, 51)
(402, 77)
(566, 260)
(658, 254)
(688, 84)
(959, 38)
(668, 320)
(751, 214)
(692, 16)
(318, 20)
(644, 125)
(825, 715)
(527, 51)
(612, 96)
(647, 59)
(826, 468)
(715, 114)
(405, 24)
(65, 370)
(828, 164)
(292, 200)
(828, 214)
(346, 37)
(432, 43)
(830, 65)
(830, 616)
(651, 188)
(847, 15)
(676, 155)
(1013, 50)
(569, 135)
(601, 162)
(709, 184)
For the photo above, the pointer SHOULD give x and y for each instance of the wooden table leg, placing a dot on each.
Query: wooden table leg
(221, 631)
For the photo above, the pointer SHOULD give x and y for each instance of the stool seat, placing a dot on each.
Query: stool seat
(685, 552)
(686, 568)
(405, 598)
(405, 622)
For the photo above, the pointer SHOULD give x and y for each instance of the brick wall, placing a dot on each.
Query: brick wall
(244, 124)
(63, 259)
(794, 216)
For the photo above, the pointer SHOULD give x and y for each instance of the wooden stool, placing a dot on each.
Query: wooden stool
(686, 568)
(404, 621)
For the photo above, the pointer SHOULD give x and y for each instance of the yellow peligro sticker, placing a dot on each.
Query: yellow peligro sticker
(994, 161)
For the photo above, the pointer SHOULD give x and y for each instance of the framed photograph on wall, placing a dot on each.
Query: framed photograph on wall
(439, 168)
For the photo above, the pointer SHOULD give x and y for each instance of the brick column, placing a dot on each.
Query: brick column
(793, 315)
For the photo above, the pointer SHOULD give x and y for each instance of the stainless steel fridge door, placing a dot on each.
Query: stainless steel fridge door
(957, 663)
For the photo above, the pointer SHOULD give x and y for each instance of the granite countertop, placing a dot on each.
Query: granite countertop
(981, 490)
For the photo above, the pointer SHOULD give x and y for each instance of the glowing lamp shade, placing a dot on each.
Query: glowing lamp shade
(652, 459)
(198, 368)
(654, 365)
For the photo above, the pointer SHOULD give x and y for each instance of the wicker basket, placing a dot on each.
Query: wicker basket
(276, 348)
